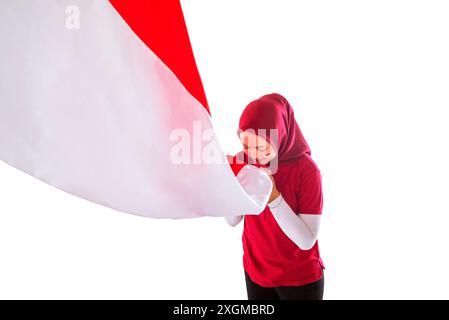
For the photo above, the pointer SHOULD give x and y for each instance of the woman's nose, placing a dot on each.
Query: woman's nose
(251, 153)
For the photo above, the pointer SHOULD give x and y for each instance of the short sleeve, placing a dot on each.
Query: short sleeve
(309, 193)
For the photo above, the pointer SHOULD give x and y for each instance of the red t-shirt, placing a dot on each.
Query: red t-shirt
(270, 258)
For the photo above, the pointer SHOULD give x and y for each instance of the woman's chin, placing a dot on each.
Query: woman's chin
(259, 161)
(263, 161)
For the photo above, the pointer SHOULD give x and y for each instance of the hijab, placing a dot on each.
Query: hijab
(273, 111)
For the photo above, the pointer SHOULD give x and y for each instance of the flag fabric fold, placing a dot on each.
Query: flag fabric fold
(92, 96)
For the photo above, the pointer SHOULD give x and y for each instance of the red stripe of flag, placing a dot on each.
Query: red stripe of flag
(161, 26)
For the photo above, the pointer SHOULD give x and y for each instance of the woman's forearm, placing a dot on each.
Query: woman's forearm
(302, 229)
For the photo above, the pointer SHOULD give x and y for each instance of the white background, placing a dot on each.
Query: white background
(369, 83)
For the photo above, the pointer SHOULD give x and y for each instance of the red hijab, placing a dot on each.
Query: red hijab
(273, 111)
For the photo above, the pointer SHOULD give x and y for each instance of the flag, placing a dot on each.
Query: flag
(103, 100)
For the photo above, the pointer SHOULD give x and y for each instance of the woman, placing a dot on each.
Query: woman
(281, 256)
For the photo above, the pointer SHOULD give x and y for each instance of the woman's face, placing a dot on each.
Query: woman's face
(257, 148)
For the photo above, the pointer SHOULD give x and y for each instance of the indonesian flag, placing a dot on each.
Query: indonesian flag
(102, 99)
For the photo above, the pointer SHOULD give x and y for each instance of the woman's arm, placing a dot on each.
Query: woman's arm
(302, 229)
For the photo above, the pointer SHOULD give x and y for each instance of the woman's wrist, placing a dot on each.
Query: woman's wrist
(276, 201)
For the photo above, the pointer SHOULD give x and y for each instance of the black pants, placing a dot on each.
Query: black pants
(311, 291)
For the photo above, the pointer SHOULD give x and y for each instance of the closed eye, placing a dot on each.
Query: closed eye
(262, 148)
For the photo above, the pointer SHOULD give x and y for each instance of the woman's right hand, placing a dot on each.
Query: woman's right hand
(275, 192)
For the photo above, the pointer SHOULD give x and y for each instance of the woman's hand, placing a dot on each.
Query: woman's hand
(275, 192)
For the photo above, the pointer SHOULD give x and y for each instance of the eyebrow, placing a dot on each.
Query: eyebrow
(245, 145)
